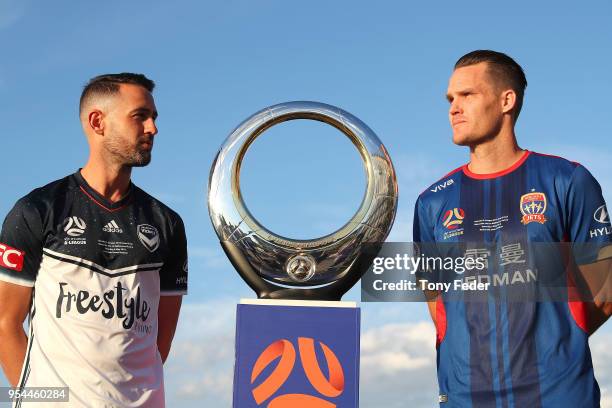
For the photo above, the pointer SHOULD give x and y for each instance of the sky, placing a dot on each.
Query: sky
(217, 62)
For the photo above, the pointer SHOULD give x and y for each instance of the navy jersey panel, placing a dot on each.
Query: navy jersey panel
(499, 350)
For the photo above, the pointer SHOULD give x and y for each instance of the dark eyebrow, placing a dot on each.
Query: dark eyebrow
(462, 92)
(147, 111)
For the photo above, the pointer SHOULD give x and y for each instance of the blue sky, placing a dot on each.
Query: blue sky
(217, 62)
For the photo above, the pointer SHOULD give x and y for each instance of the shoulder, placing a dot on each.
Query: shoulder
(39, 200)
(564, 172)
(441, 187)
(555, 165)
(157, 206)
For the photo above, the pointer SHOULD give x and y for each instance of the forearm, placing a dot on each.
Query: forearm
(168, 313)
(598, 314)
(163, 345)
(12, 352)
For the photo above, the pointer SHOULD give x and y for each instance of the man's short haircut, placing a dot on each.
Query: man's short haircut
(504, 70)
(108, 84)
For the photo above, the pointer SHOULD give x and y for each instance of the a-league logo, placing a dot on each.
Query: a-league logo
(74, 226)
(329, 386)
(453, 218)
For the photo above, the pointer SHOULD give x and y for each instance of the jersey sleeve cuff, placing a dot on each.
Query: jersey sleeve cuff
(16, 280)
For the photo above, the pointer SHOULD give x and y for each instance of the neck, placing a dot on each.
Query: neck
(110, 181)
(496, 154)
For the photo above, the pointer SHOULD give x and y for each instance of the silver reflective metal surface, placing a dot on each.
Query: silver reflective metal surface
(281, 262)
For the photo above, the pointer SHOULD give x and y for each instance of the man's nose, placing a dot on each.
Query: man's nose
(151, 127)
(454, 108)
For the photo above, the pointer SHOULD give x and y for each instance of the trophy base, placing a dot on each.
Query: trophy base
(293, 353)
(307, 295)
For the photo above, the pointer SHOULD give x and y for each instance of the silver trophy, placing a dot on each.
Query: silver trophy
(277, 267)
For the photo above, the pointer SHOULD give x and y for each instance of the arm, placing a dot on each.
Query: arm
(424, 242)
(173, 285)
(432, 304)
(168, 313)
(596, 288)
(14, 305)
(589, 232)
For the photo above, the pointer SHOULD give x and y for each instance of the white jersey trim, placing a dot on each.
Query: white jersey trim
(173, 293)
(99, 268)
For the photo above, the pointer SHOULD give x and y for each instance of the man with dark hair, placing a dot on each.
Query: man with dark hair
(503, 72)
(521, 342)
(100, 265)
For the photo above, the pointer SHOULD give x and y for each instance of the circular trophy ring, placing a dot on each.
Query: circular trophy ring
(275, 257)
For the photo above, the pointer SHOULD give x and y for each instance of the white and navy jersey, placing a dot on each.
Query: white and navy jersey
(97, 270)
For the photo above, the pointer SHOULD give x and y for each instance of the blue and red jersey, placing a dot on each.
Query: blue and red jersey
(494, 349)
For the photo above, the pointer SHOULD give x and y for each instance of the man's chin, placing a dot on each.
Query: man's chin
(469, 140)
(141, 161)
(461, 140)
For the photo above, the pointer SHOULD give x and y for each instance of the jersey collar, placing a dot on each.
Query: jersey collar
(100, 200)
(484, 176)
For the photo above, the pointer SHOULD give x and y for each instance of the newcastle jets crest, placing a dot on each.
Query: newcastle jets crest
(533, 206)
(148, 236)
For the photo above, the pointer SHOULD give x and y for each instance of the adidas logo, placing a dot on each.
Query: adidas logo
(112, 227)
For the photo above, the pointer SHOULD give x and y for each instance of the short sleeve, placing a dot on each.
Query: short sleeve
(588, 221)
(424, 240)
(423, 228)
(173, 275)
(21, 244)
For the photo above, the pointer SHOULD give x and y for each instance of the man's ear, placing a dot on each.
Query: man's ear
(508, 100)
(95, 120)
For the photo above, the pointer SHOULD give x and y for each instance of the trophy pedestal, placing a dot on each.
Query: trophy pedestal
(292, 353)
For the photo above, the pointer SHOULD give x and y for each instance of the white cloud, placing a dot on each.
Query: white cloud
(398, 366)
(602, 362)
(200, 368)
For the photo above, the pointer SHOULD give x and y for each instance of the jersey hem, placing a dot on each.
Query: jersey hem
(16, 281)
(173, 293)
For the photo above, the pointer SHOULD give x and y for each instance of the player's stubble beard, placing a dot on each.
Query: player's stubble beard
(123, 152)
(474, 138)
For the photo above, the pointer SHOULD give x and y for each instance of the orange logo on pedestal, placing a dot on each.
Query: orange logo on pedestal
(330, 387)
(533, 206)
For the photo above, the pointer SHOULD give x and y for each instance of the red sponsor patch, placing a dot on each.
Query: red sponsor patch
(11, 258)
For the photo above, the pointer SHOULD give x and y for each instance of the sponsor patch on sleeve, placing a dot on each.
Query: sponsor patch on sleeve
(11, 258)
